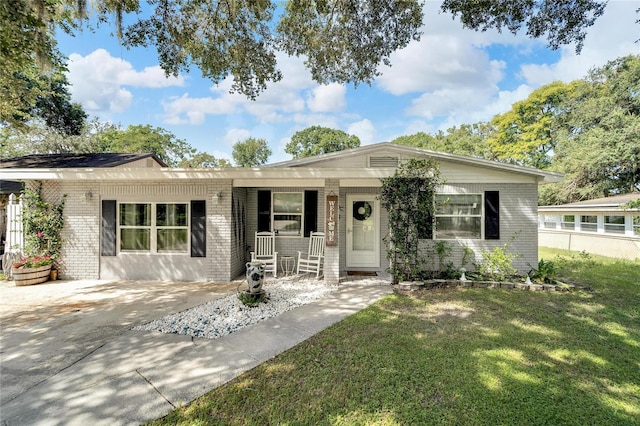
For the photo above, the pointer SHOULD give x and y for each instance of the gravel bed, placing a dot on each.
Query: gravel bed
(223, 316)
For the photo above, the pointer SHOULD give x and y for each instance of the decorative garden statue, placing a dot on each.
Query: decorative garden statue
(255, 276)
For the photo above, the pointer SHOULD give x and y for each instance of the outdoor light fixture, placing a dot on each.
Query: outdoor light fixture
(88, 196)
(216, 197)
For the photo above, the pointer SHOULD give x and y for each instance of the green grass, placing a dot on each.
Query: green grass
(460, 356)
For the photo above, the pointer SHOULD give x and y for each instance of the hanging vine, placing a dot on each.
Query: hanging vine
(409, 198)
(42, 222)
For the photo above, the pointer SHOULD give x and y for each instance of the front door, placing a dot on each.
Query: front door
(363, 231)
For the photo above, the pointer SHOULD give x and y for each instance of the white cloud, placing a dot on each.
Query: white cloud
(498, 104)
(414, 127)
(449, 70)
(609, 38)
(438, 62)
(272, 106)
(188, 110)
(97, 81)
(365, 130)
(236, 135)
(327, 98)
(447, 56)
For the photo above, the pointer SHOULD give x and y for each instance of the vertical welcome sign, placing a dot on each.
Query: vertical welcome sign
(331, 228)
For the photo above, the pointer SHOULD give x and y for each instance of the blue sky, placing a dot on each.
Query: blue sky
(452, 76)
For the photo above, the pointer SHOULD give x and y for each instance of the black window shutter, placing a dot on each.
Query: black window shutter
(198, 228)
(264, 211)
(109, 228)
(491, 215)
(310, 212)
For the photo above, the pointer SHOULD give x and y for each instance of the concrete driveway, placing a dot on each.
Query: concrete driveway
(47, 328)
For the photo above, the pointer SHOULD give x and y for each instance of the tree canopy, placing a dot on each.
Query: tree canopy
(468, 139)
(588, 129)
(599, 147)
(528, 133)
(203, 160)
(342, 41)
(317, 140)
(100, 137)
(146, 139)
(251, 152)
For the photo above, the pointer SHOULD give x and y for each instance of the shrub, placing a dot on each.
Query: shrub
(497, 264)
(544, 273)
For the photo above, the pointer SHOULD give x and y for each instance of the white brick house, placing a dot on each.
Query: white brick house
(219, 211)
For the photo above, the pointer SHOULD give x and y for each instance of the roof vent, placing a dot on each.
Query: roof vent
(387, 162)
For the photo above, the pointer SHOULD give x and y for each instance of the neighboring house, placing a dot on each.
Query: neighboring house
(602, 226)
(199, 224)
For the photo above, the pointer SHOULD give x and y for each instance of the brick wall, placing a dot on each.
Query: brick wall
(219, 230)
(79, 257)
(518, 224)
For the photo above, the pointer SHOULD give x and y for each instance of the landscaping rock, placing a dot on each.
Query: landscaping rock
(407, 286)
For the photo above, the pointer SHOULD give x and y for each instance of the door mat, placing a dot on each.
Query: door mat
(362, 273)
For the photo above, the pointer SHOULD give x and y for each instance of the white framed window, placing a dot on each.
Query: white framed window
(458, 216)
(635, 224)
(589, 223)
(549, 221)
(153, 227)
(287, 213)
(614, 224)
(568, 222)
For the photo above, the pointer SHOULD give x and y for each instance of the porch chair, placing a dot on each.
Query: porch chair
(314, 259)
(265, 252)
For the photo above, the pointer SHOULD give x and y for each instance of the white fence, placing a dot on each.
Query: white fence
(14, 242)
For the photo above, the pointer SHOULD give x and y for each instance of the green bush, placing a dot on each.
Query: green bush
(497, 264)
(544, 273)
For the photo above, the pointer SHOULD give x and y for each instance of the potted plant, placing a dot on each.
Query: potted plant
(31, 270)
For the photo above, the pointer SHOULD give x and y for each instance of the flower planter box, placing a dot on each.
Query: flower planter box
(29, 276)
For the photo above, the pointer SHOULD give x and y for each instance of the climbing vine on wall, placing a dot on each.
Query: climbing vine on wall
(42, 222)
(409, 198)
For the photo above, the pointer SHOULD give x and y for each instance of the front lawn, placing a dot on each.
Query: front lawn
(458, 356)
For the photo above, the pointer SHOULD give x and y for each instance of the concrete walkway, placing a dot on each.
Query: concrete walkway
(134, 376)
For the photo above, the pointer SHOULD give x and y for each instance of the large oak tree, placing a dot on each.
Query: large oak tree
(343, 41)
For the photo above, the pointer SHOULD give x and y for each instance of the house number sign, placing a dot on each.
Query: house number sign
(331, 232)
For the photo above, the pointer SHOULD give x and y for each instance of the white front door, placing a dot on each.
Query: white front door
(363, 231)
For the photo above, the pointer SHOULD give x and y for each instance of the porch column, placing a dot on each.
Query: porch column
(331, 254)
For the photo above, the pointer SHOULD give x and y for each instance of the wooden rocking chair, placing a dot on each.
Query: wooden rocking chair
(314, 259)
(265, 252)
